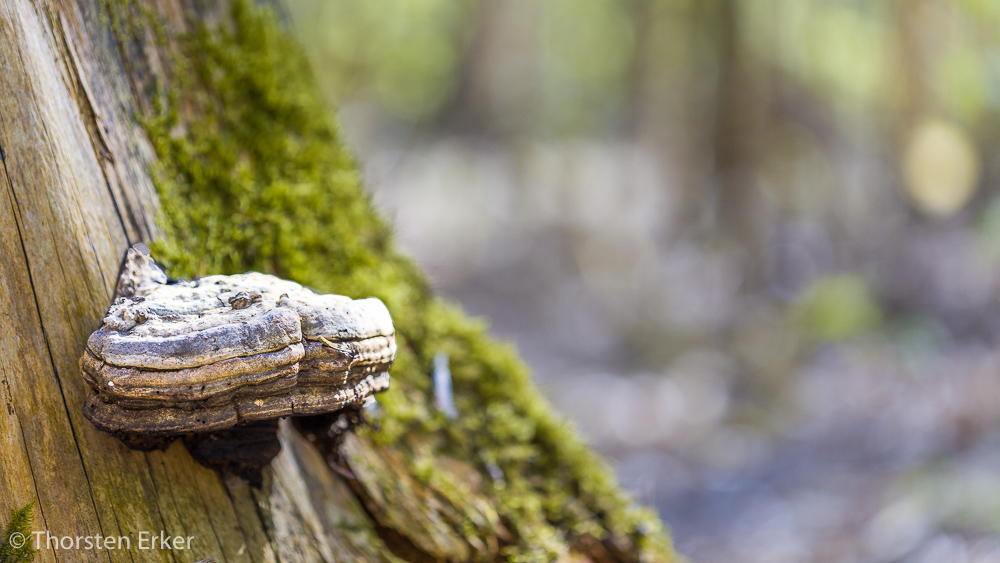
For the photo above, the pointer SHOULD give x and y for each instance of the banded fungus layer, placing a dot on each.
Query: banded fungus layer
(225, 352)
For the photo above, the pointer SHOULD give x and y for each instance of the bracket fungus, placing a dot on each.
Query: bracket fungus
(219, 359)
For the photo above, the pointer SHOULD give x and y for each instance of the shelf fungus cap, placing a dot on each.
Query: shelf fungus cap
(222, 352)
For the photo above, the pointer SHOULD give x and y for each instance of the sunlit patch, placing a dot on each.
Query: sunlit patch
(940, 168)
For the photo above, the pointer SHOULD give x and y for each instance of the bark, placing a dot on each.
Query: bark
(77, 190)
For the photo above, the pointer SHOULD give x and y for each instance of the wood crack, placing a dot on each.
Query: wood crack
(16, 208)
(10, 394)
(149, 467)
(239, 523)
(93, 121)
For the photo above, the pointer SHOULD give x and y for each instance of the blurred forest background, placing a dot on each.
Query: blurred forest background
(751, 248)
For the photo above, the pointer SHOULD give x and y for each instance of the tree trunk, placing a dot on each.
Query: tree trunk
(76, 193)
(78, 188)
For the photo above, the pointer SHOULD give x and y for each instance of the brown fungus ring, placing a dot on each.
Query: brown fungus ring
(219, 359)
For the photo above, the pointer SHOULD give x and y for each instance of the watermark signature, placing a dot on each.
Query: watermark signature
(144, 540)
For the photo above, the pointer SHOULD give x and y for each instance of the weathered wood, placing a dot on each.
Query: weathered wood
(76, 192)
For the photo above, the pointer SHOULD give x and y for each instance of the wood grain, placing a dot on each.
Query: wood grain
(75, 192)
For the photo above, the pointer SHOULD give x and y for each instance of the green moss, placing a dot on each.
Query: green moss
(20, 523)
(837, 307)
(258, 180)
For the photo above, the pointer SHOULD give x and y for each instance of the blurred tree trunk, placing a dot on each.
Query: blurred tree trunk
(733, 191)
(913, 59)
(739, 117)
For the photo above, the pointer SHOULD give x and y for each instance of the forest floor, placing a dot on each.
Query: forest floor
(754, 439)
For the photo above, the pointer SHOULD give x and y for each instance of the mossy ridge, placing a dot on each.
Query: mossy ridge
(260, 181)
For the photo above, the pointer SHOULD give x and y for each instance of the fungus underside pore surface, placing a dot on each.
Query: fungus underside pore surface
(260, 181)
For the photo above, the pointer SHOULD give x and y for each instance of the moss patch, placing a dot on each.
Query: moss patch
(20, 523)
(253, 177)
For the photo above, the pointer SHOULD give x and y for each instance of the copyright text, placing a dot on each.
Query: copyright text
(144, 540)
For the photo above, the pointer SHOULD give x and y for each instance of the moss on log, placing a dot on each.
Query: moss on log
(207, 118)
